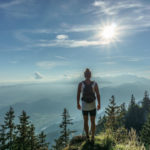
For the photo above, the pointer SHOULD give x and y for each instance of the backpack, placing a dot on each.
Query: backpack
(88, 93)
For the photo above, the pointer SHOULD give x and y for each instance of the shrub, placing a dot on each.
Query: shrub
(77, 139)
(133, 142)
(121, 135)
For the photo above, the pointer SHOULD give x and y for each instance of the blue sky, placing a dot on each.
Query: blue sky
(57, 39)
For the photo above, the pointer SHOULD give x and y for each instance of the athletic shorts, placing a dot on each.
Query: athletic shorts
(91, 112)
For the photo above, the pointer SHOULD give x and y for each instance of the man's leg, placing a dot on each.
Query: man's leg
(92, 118)
(86, 126)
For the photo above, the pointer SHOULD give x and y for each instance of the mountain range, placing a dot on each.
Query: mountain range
(44, 102)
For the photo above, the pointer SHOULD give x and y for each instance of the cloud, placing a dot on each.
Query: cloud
(38, 75)
(50, 64)
(71, 43)
(130, 16)
(115, 7)
(134, 59)
(109, 62)
(22, 35)
(60, 57)
(125, 58)
(10, 4)
(19, 8)
(99, 3)
(62, 37)
(134, 15)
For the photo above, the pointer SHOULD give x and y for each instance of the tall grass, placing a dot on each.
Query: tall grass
(131, 143)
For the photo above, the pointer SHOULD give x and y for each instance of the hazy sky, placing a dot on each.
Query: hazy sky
(56, 39)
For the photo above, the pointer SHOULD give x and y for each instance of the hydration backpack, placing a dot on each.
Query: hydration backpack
(88, 93)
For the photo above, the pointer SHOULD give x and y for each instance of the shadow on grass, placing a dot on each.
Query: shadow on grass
(91, 146)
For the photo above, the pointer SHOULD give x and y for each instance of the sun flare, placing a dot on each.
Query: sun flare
(109, 33)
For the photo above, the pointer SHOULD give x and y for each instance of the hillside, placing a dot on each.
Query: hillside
(105, 142)
(79, 142)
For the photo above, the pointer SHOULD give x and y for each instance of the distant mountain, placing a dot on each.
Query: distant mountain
(46, 110)
(44, 102)
(30, 92)
(43, 112)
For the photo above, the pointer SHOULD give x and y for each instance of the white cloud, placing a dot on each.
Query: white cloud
(60, 57)
(50, 64)
(131, 17)
(62, 37)
(19, 8)
(10, 4)
(134, 59)
(46, 64)
(115, 7)
(38, 75)
(133, 14)
(109, 62)
(99, 3)
(21, 35)
(71, 43)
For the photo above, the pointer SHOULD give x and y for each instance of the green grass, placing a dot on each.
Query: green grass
(101, 143)
(105, 141)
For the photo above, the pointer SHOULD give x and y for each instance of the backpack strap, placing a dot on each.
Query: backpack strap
(88, 84)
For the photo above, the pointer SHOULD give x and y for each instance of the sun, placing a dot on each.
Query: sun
(109, 33)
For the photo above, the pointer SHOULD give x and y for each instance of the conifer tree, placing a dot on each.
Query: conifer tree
(21, 136)
(65, 132)
(145, 105)
(122, 114)
(32, 138)
(58, 144)
(42, 144)
(23, 131)
(9, 127)
(101, 124)
(2, 138)
(112, 113)
(132, 116)
(145, 132)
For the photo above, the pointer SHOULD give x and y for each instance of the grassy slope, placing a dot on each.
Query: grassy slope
(102, 142)
(79, 143)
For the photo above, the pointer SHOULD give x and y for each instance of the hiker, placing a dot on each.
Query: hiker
(88, 89)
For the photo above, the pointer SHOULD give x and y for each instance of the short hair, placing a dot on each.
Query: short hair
(87, 73)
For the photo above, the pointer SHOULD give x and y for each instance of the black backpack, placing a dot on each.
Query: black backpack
(88, 94)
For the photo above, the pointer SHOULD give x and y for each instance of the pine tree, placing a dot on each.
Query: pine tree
(145, 105)
(2, 138)
(58, 144)
(132, 116)
(112, 113)
(42, 144)
(23, 131)
(9, 127)
(122, 114)
(100, 127)
(32, 138)
(145, 132)
(22, 136)
(65, 132)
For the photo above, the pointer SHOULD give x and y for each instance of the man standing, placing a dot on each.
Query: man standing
(88, 89)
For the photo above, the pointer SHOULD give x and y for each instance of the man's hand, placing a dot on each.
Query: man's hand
(79, 106)
(98, 107)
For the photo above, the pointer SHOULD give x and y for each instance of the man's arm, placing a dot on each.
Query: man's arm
(98, 96)
(78, 96)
